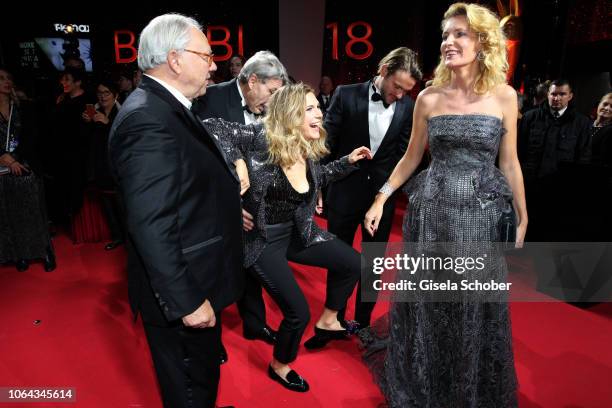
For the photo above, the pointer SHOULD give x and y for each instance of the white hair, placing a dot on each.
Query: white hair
(265, 65)
(163, 34)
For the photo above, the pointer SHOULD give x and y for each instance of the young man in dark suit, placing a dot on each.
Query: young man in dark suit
(243, 100)
(377, 114)
(183, 212)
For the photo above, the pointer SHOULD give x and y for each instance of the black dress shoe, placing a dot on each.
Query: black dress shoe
(223, 356)
(265, 334)
(112, 245)
(293, 382)
(22, 265)
(322, 337)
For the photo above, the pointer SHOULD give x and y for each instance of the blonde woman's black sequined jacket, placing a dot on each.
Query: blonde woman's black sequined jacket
(249, 143)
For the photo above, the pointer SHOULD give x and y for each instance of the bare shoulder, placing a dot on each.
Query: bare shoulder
(431, 91)
(505, 94)
(507, 99)
(429, 97)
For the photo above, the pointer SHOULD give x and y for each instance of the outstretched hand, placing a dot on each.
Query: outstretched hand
(360, 153)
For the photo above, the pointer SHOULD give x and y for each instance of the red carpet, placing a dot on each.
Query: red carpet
(86, 340)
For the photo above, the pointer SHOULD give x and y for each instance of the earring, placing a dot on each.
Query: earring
(480, 56)
(482, 37)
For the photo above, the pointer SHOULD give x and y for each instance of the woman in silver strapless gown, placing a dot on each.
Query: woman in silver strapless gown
(455, 354)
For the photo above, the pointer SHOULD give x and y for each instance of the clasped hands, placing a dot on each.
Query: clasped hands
(13, 165)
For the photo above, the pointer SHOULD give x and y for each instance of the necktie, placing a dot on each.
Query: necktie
(376, 97)
(556, 115)
(257, 115)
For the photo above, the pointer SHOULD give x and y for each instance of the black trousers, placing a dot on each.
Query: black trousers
(344, 227)
(187, 364)
(275, 275)
(113, 210)
(251, 306)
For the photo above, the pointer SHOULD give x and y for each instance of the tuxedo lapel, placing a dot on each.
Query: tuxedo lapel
(234, 103)
(207, 137)
(200, 132)
(398, 117)
(361, 113)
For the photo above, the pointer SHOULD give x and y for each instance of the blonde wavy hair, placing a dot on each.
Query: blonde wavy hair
(283, 123)
(486, 25)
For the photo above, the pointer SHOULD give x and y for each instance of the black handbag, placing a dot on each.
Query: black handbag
(507, 227)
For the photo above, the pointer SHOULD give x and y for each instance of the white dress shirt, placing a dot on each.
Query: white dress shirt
(561, 111)
(379, 120)
(248, 117)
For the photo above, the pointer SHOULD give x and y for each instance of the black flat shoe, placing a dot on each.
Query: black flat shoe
(112, 245)
(223, 356)
(265, 334)
(22, 265)
(293, 382)
(322, 337)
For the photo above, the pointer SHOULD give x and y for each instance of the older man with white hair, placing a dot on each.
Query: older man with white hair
(183, 211)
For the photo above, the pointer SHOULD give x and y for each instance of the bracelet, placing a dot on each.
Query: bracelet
(387, 189)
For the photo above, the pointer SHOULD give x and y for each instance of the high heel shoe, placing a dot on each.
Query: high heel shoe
(22, 265)
(323, 336)
(293, 382)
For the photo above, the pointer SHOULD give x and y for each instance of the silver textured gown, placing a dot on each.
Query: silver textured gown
(450, 354)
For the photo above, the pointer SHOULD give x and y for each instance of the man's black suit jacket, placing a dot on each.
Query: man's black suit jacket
(346, 123)
(221, 101)
(183, 208)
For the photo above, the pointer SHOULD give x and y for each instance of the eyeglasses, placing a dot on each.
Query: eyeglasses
(104, 93)
(206, 57)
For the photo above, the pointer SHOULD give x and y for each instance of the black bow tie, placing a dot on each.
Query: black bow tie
(378, 97)
(257, 115)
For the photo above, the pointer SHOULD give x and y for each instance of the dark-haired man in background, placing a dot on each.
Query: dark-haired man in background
(551, 136)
